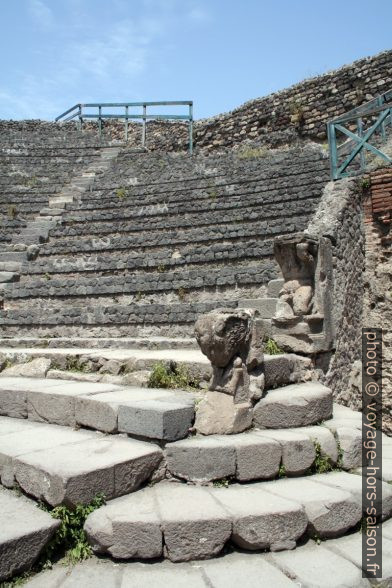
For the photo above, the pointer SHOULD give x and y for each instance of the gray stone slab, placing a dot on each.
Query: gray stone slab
(36, 368)
(314, 566)
(100, 411)
(160, 575)
(194, 525)
(166, 420)
(201, 459)
(353, 483)
(127, 527)
(93, 574)
(256, 457)
(76, 472)
(57, 404)
(261, 520)
(296, 405)
(13, 395)
(234, 569)
(387, 529)
(331, 511)
(24, 532)
(48, 579)
(350, 548)
(31, 437)
(298, 452)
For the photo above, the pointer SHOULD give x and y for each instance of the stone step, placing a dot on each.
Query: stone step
(266, 307)
(253, 455)
(24, 532)
(296, 405)
(183, 522)
(86, 343)
(154, 414)
(308, 566)
(63, 466)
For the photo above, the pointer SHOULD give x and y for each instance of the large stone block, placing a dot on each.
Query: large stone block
(194, 525)
(168, 419)
(201, 459)
(24, 532)
(100, 411)
(256, 457)
(296, 405)
(331, 511)
(260, 520)
(127, 527)
(298, 451)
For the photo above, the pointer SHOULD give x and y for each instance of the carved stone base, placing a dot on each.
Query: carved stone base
(217, 414)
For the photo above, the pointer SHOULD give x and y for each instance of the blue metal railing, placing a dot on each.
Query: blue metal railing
(79, 113)
(378, 114)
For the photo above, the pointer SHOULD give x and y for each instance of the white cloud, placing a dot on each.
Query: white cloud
(41, 13)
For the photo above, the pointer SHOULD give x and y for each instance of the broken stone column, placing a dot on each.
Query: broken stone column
(303, 319)
(231, 341)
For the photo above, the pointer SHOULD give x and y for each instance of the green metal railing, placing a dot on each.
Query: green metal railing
(79, 113)
(378, 114)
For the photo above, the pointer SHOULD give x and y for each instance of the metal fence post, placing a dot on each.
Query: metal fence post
(332, 150)
(126, 124)
(100, 122)
(191, 128)
(360, 134)
(144, 126)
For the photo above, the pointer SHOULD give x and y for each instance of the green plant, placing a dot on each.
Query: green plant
(161, 268)
(322, 463)
(70, 538)
(33, 181)
(213, 193)
(171, 375)
(282, 471)
(365, 184)
(316, 538)
(363, 525)
(17, 581)
(47, 276)
(181, 293)
(339, 463)
(73, 364)
(221, 483)
(139, 296)
(272, 348)
(121, 193)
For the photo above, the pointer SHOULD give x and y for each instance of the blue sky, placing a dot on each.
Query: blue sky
(218, 53)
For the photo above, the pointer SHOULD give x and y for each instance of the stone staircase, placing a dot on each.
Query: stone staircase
(294, 477)
(141, 255)
(24, 244)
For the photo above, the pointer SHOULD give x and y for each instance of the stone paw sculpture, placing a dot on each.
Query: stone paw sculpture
(230, 340)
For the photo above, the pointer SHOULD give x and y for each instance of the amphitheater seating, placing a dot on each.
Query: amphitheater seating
(162, 238)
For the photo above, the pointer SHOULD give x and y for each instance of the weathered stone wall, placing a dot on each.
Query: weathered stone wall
(339, 216)
(299, 112)
(356, 214)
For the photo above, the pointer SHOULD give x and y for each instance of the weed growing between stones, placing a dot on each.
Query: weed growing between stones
(272, 348)
(171, 375)
(322, 463)
(221, 483)
(181, 293)
(282, 471)
(70, 539)
(121, 193)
